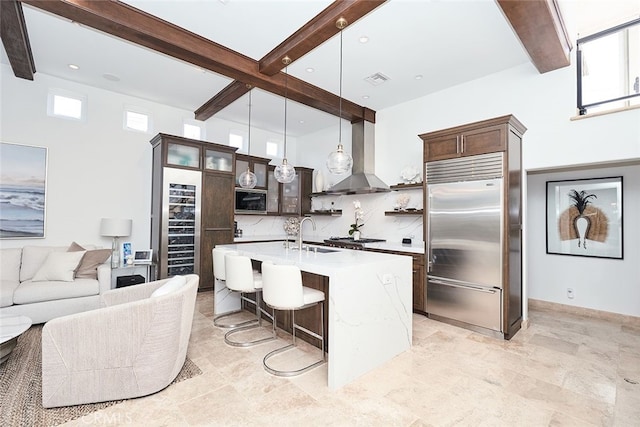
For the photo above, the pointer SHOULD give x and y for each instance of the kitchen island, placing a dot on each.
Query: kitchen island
(369, 304)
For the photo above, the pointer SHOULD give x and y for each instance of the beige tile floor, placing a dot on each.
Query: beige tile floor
(563, 370)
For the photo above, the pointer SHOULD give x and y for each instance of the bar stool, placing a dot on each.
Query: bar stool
(240, 277)
(283, 290)
(219, 273)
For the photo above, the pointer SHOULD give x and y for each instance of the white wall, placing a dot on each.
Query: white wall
(599, 283)
(96, 169)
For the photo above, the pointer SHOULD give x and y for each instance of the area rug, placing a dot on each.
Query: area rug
(21, 387)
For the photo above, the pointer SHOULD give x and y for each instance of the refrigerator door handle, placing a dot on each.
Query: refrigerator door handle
(453, 285)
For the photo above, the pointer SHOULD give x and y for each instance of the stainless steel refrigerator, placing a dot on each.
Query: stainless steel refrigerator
(465, 230)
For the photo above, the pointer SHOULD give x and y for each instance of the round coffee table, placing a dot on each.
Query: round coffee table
(11, 327)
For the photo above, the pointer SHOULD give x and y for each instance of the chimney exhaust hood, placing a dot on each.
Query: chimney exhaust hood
(363, 179)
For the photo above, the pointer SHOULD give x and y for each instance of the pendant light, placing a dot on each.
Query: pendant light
(248, 179)
(338, 161)
(285, 173)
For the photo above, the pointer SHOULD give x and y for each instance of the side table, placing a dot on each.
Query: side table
(150, 272)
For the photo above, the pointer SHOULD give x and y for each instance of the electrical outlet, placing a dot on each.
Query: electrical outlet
(570, 293)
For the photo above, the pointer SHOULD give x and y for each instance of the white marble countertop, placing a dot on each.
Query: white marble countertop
(322, 263)
(417, 247)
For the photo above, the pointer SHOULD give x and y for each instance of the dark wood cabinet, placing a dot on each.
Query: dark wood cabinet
(273, 193)
(217, 220)
(295, 197)
(191, 204)
(478, 138)
(498, 135)
(419, 284)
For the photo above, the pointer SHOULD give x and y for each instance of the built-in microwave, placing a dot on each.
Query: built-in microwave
(250, 201)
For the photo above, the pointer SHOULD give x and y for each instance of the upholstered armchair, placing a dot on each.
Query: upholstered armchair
(134, 345)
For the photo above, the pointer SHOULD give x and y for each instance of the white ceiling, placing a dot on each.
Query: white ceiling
(446, 42)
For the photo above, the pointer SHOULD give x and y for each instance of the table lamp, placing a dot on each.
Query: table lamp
(115, 227)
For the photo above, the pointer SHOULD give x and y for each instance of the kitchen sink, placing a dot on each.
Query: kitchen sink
(321, 250)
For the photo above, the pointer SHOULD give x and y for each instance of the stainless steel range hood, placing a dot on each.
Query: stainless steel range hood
(363, 179)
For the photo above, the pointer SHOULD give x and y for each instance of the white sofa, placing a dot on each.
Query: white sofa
(44, 299)
(135, 345)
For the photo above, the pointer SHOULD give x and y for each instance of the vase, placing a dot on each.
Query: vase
(319, 184)
(356, 235)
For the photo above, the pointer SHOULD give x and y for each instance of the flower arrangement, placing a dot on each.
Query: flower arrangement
(359, 216)
(292, 226)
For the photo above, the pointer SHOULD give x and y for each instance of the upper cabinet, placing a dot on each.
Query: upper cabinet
(258, 165)
(295, 197)
(186, 153)
(488, 136)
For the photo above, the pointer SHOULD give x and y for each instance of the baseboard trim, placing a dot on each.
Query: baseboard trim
(582, 311)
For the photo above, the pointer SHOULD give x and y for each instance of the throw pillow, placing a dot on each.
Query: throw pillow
(90, 261)
(59, 266)
(173, 284)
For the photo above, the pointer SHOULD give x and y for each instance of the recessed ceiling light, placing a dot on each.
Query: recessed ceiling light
(310, 70)
(365, 96)
(363, 39)
(419, 77)
(301, 122)
(74, 67)
(111, 77)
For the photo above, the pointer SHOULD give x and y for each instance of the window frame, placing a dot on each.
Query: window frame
(582, 108)
(136, 110)
(53, 92)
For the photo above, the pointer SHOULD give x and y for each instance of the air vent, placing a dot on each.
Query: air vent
(484, 166)
(376, 79)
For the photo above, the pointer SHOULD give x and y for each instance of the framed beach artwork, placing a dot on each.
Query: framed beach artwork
(584, 217)
(23, 184)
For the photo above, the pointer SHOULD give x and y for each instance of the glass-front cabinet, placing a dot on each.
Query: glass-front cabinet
(184, 155)
(273, 193)
(295, 197)
(218, 161)
(258, 165)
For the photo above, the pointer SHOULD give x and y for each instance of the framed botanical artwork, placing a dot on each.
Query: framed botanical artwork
(23, 184)
(584, 217)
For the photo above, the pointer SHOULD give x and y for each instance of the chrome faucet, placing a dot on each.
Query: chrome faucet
(300, 230)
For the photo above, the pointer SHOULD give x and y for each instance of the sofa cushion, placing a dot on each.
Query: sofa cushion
(10, 263)
(7, 288)
(171, 285)
(88, 268)
(59, 266)
(33, 257)
(31, 292)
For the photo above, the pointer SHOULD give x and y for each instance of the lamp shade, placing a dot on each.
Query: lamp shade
(115, 227)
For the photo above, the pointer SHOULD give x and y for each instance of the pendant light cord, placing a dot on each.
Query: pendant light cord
(249, 142)
(340, 104)
(286, 90)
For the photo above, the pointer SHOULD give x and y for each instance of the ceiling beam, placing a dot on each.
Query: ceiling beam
(15, 39)
(226, 96)
(311, 35)
(315, 32)
(539, 25)
(128, 23)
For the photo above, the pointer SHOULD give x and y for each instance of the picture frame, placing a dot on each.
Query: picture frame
(23, 191)
(143, 256)
(127, 252)
(584, 217)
